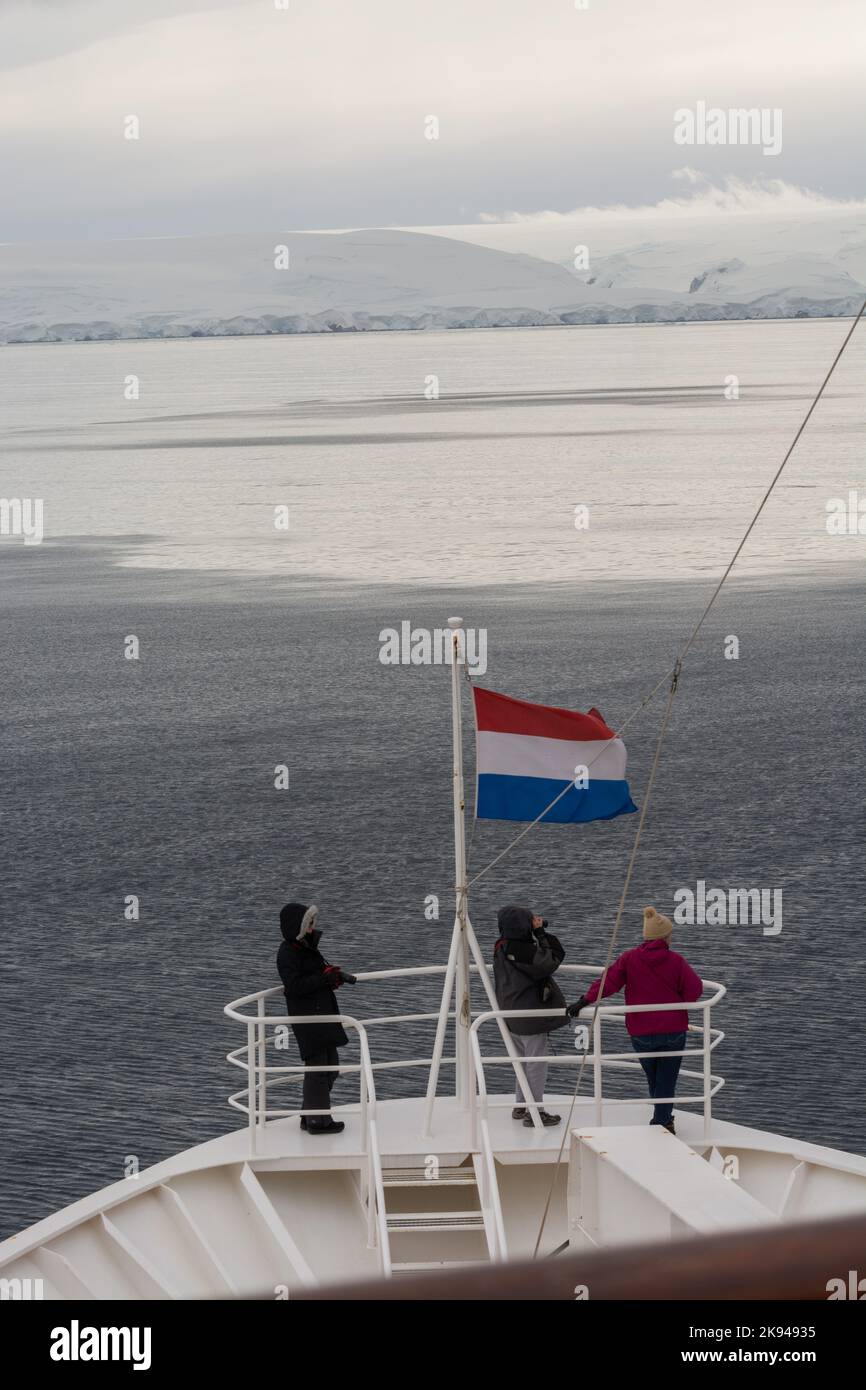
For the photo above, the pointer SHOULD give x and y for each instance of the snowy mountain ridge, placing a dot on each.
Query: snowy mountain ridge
(374, 280)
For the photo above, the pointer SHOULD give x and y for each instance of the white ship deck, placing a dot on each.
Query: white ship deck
(216, 1221)
(415, 1184)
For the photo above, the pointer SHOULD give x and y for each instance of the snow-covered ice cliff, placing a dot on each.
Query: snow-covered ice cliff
(363, 281)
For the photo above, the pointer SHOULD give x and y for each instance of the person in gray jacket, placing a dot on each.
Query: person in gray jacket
(525, 959)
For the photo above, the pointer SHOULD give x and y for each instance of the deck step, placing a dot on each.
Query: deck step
(415, 1177)
(436, 1221)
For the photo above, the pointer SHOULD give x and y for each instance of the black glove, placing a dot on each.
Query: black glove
(574, 1009)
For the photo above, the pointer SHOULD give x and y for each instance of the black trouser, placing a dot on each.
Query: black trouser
(318, 1084)
(661, 1072)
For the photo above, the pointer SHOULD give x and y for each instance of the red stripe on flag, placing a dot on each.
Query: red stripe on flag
(502, 714)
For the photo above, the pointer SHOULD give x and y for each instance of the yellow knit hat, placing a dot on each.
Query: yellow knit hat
(655, 925)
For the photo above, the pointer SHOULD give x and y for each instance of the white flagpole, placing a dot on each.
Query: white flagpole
(457, 975)
(463, 1088)
(462, 940)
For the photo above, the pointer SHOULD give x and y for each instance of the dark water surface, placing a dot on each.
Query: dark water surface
(155, 778)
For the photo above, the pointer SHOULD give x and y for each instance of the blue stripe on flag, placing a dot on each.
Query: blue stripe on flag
(524, 798)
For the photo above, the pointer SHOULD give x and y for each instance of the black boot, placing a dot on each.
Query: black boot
(546, 1119)
(669, 1126)
(328, 1127)
(519, 1112)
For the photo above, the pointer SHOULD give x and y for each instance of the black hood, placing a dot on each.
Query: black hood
(291, 918)
(515, 923)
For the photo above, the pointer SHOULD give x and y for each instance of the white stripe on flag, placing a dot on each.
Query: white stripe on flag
(524, 755)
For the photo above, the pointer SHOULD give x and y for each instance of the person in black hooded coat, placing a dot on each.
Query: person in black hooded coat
(309, 982)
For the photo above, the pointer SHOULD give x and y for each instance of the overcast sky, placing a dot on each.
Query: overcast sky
(254, 118)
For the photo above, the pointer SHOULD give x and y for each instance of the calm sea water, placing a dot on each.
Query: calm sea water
(260, 647)
(478, 486)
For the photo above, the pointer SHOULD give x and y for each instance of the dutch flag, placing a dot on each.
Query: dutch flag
(527, 754)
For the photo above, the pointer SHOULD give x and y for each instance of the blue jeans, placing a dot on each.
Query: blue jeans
(661, 1072)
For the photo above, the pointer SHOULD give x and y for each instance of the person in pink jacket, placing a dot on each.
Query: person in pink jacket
(653, 974)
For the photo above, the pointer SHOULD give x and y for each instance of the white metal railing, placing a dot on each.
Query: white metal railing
(488, 1195)
(710, 1039)
(253, 1058)
(480, 1121)
(255, 1098)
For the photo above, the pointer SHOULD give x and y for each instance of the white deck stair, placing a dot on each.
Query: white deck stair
(423, 1206)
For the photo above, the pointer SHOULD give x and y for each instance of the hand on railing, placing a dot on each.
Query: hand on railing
(334, 977)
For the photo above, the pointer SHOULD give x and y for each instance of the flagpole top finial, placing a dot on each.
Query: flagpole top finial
(455, 622)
